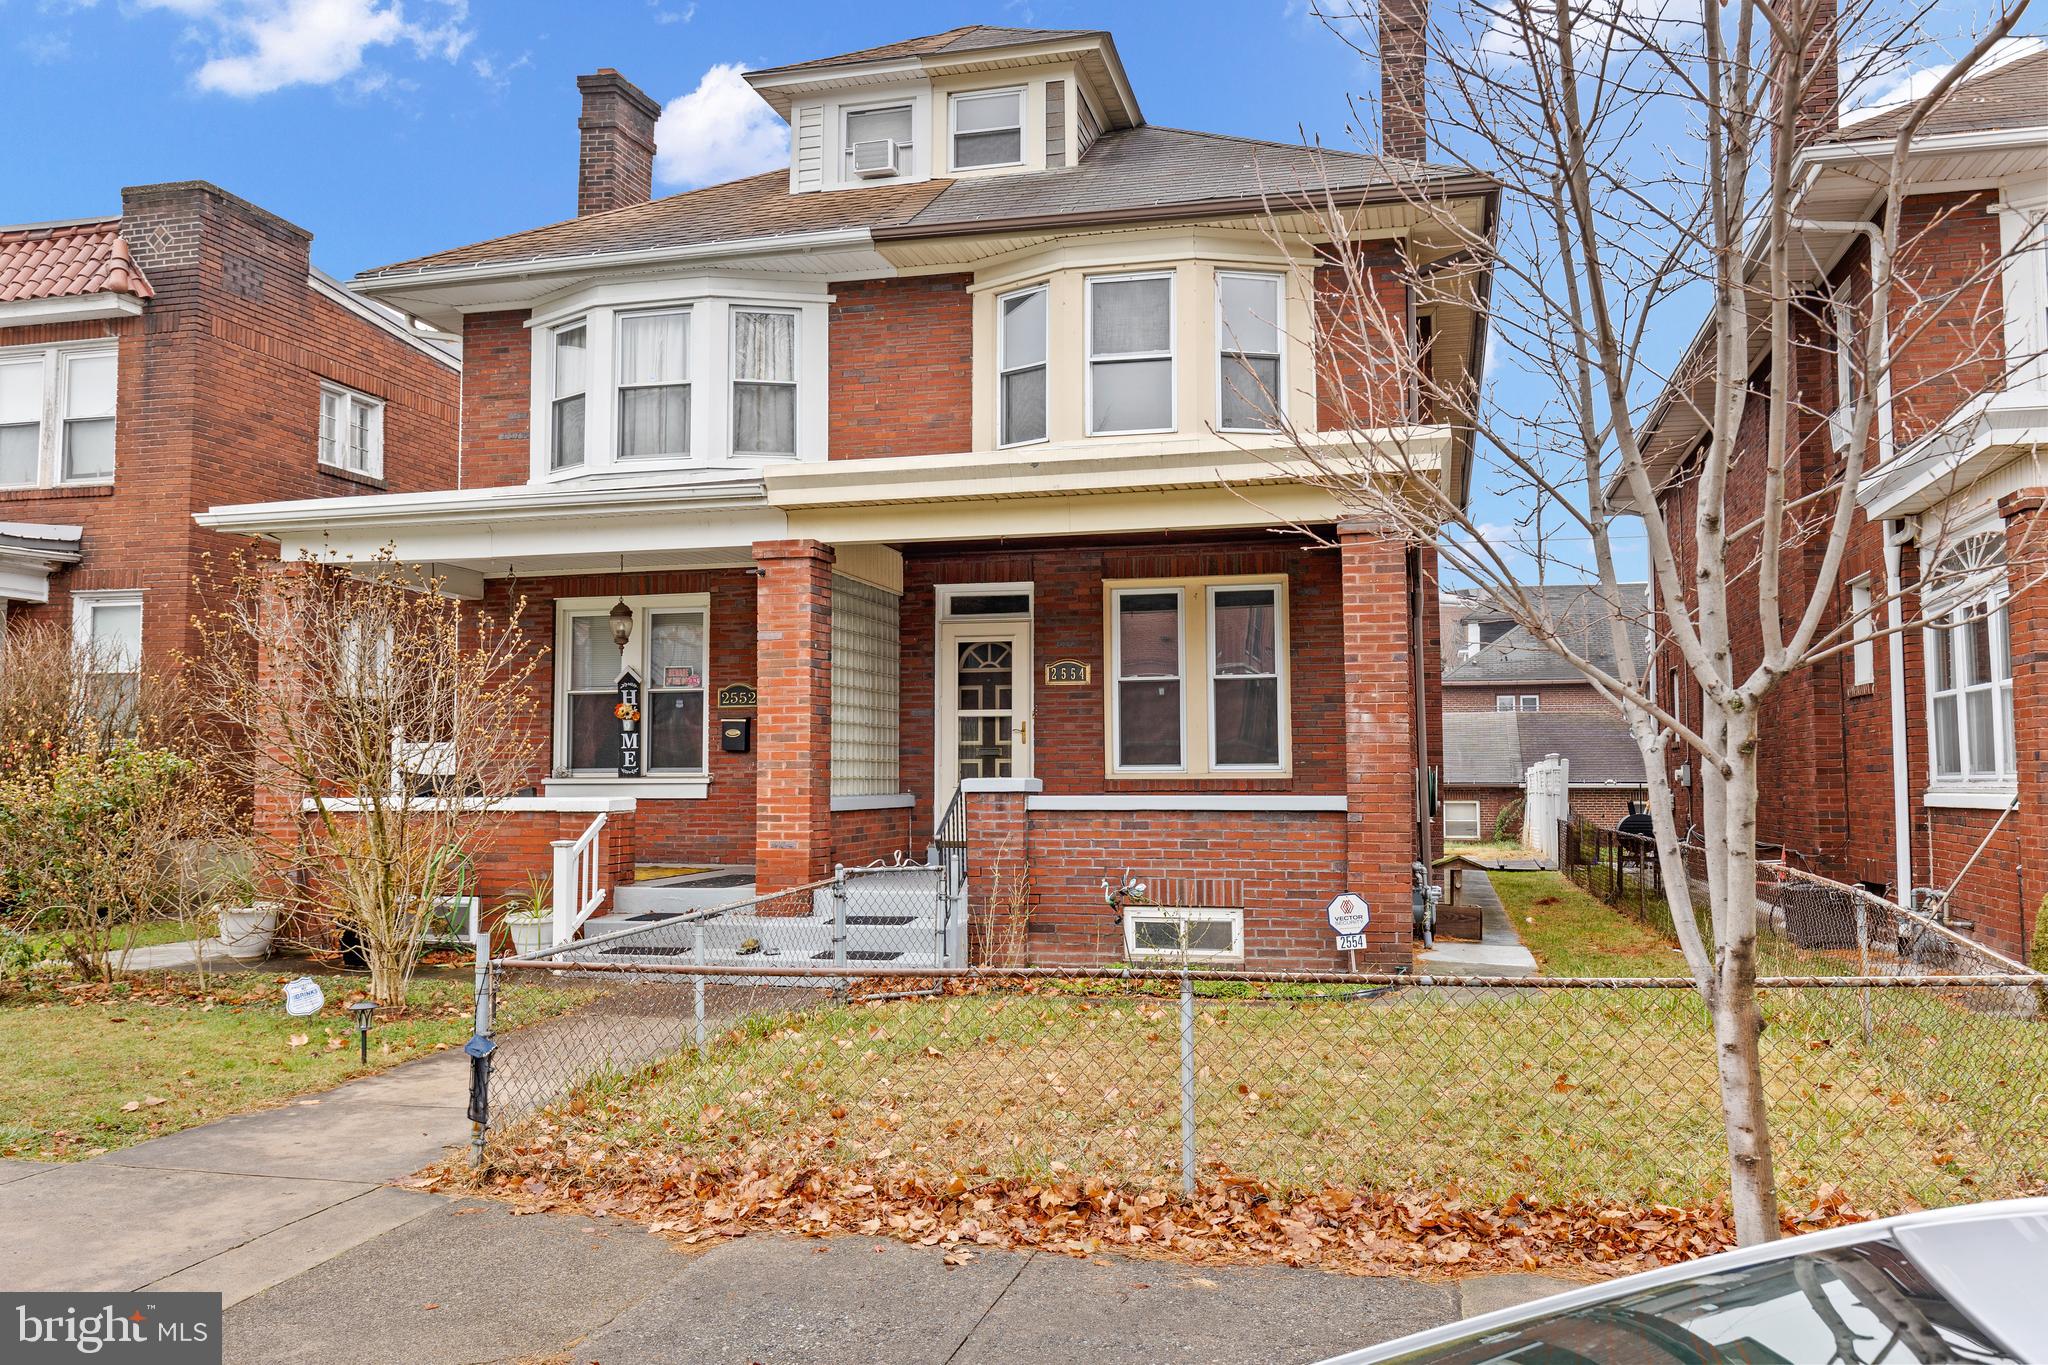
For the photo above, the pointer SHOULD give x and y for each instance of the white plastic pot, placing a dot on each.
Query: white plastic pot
(246, 931)
(531, 933)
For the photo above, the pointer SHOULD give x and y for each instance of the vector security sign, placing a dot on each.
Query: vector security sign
(1349, 915)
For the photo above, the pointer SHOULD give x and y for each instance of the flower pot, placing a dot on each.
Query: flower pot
(246, 931)
(531, 933)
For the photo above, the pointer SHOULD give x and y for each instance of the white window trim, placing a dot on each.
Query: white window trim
(1842, 330)
(1169, 355)
(1477, 811)
(1115, 681)
(1135, 915)
(1279, 675)
(567, 608)
(1223, 350)
(547, 397)
(85, 604)
(1993, 597)
(906, 152)
(349, 397)
(710, 299)
(56, 361)
(1003, 371)
(1529, 701)
(795, 385)
(619, 389)
(1197, 707)
(947, 592)
(953, 100)
(1862, 634)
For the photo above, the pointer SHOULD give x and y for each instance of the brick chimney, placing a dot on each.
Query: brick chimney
(1404, 59)
(1820, 103)
(615, 162)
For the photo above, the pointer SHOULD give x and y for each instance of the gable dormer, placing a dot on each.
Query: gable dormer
(968, 103)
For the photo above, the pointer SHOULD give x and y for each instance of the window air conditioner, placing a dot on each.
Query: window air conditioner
(876, 158)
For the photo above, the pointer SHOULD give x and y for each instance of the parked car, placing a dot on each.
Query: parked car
(1949, 1285)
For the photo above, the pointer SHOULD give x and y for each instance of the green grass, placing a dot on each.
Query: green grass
(72, 1058)
(1587, 1094)
(1573, 933)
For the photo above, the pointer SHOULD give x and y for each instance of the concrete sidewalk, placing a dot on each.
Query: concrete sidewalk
(470, 1281)
(238, 1205)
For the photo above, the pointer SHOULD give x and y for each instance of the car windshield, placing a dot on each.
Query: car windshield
(1857, 1305)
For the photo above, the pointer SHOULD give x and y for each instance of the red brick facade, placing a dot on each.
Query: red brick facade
(219, 402)
(901, 381)
(497, 380)
(1550, 696)
(1826, 755)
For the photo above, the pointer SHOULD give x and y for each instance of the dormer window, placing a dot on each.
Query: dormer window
(988, 129)
(877, 142)
(654, 384)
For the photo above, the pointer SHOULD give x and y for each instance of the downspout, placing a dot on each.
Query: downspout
(1895, 652)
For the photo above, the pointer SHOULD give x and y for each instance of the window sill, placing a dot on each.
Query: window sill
(1982, 798)
(652, 788)
(874, 801)
(1191, 801)
(352, 475)
(61, 490)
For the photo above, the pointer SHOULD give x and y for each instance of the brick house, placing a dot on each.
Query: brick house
(1511, 701)
(943, 467)
(182, 353)
(1918, 757)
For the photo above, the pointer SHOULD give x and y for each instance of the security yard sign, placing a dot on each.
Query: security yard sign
(1348, 916)
(303, 997)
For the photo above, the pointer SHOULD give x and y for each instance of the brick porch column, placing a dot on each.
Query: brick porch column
(2026, 554)
(793, 736)
(1379, 735)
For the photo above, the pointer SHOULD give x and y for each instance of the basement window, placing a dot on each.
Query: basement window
(1194, 933)
(1461, 820)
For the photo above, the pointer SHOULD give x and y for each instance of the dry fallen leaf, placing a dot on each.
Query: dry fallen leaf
(298, 1040)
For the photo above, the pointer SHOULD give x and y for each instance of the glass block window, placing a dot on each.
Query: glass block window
(866, 640)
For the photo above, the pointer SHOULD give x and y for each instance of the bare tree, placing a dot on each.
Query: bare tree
(379, 721)
(1649, 158)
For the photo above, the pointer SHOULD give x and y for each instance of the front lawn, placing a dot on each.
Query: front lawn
(86, 1069)
(1573, 933)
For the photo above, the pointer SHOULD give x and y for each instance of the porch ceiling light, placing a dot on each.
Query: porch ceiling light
(621, 617)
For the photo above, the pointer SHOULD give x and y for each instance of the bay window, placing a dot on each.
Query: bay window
(654, 384)
(669, 649)
(1248, 344)
(57, 415)
(571, 380)
(1020, 366)
(988, 129)
(763, 382)
(1230, 636)
(1969, 668)
(1130, 354)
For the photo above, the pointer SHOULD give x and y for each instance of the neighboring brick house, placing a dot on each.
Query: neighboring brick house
(1916, 757)
(1510, 701)
(181, 354)
(947, 460)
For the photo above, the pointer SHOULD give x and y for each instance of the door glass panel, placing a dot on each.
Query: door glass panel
(987, 693)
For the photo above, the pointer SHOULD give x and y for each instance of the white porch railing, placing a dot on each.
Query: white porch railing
(579, 880)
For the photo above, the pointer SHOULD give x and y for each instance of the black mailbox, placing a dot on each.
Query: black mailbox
(736, 735)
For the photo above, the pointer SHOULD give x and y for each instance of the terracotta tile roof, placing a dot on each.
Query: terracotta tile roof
(67, 260)
(1132, 171)
(2010, 95)
(966, 38)
(760, 206)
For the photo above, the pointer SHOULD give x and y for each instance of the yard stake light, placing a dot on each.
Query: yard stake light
(362, 1010)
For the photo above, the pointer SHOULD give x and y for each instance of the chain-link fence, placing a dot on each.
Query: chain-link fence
(1889, 1086)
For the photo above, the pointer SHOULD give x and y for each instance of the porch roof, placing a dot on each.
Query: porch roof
(466, 536)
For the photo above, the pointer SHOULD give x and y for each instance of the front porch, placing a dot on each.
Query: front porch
(1231, 722)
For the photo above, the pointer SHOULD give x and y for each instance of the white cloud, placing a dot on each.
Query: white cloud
(719, 131)
(1878, 82)
(259, 46)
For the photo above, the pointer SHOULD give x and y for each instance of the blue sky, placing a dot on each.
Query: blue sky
(390, 128)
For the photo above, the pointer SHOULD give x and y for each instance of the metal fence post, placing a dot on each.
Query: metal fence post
(1187, 1083)
(486, 1019)
(1863, 956)
(697, 956)
(839, 916)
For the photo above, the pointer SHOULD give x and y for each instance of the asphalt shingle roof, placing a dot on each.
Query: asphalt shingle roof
(1580, 619)
(1126, 170)
(1495, 748)
(68, 260)
(966, 38)
(2011, 95)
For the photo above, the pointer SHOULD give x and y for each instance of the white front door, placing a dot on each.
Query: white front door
(984, 720)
